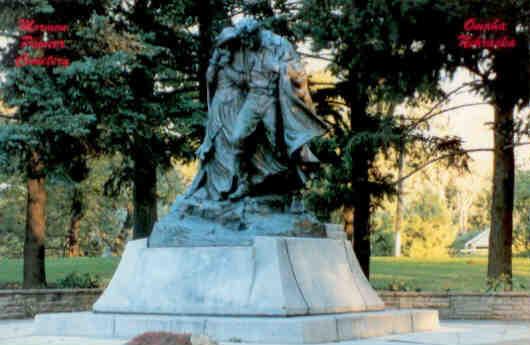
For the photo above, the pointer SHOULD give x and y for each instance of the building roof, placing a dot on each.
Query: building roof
(481, 240)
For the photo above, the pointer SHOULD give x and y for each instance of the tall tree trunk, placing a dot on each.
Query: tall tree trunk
(76, 215)
(145, 200)
(360, 185)
(145, 164)
(34, 250)
(206, 17)
(212, 17)
(123, 236)
(362, 156)
(347, 215)
(361, 218)
(399, 203)
(501, 233)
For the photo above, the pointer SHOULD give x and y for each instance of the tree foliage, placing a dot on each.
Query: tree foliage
(382, 53)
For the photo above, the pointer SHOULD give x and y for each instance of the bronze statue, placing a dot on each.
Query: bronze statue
(260, 116)
(255, 152)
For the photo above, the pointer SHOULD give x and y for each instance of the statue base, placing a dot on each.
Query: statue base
(321, 329)
(197, 222)
(276, 276)
(280, 290)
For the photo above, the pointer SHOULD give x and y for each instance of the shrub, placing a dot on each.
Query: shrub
(10, 286)
(400, 285)
(427, 227)
(80, 281)
(503, 284)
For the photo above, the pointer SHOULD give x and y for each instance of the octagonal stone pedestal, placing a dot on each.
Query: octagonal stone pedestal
(278, 290)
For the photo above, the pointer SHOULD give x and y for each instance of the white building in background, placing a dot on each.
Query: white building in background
(478, 243)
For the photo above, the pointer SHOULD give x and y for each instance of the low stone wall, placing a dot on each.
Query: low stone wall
(453, 305)
(17, 304)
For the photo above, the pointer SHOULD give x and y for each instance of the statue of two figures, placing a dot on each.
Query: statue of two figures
(255, 151)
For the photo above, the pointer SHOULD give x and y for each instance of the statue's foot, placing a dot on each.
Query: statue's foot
(240, 192)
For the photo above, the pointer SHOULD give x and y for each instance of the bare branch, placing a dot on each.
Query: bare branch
(443, 111)
(519, 144)
(313, 56)
(434, 160)
(440, 102)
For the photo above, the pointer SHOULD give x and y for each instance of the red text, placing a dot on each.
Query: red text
(470, 42)
(30, 41)
(25, 60)
(472, 24)
(29, 25)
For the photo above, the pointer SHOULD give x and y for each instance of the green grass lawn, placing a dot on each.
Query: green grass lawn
(58, 268)
(456, 274)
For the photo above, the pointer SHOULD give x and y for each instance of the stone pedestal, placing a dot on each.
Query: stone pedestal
(276, 276)
(278, 290)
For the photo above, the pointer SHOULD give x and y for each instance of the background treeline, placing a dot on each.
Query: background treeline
(77, 144)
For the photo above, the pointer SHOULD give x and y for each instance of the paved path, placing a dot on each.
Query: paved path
(450, 333)
(19, 333)
(462, 333)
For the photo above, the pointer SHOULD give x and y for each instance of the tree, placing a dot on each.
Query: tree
(380, 52)
(168, 88)
(503, 81)
(108, 100)
(44, 137)
(34, 252)
(78, 172)
(428, 229)
(212, 15)
(399, 203)
(13, 198)
(479, 218)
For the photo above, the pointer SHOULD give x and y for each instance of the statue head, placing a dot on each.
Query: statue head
(248, 31)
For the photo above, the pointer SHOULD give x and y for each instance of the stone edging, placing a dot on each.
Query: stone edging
(464, 305)
(444, 294)
(47, 291)
(22, 303)
(15, 304)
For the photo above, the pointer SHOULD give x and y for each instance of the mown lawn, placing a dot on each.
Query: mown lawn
(456, 274)
(58, 268)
